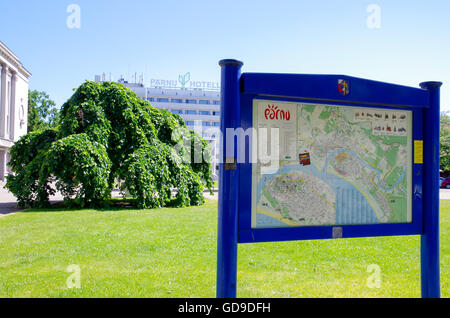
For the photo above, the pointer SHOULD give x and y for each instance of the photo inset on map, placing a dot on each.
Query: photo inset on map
(353, 166)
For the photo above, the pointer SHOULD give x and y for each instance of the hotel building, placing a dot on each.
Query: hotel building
(198, 105)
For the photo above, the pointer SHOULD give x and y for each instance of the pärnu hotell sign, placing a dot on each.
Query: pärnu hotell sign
(309, 156)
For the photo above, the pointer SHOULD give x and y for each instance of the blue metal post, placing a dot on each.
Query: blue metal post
(228, 181)
(429, 244)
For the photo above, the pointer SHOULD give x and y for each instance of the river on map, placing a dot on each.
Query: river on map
(351, 206)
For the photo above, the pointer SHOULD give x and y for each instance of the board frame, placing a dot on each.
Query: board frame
(247, 234)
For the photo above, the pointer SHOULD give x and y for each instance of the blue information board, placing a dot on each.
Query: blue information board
(326, 156)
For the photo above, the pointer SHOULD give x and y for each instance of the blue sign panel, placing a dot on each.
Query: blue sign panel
(326, 156)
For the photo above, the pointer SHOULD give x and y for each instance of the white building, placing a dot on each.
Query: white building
(13, 103)
(198, 107)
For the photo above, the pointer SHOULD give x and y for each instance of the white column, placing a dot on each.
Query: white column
(8, 158)
(3, 101)
(2, 164)
(1, 90)
(12, 105)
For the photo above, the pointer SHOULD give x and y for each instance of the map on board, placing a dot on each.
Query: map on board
(330, 165)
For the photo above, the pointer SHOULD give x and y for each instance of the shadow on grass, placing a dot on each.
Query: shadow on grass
(111, 205)
(114, 204)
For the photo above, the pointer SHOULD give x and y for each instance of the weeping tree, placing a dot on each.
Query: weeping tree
(107, 133)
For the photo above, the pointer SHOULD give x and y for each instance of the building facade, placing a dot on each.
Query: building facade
(13, 104)
(198, 107)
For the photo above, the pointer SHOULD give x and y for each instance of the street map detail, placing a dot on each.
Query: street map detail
(330, 165)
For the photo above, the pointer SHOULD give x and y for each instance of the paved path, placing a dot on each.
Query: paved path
(444, 194)
(8, 208)
(8, 203)
(215, 195)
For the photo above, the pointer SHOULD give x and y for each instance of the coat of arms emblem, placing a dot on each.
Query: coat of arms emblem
(343, 87)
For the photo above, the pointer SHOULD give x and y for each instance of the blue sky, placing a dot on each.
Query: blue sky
(165, 38)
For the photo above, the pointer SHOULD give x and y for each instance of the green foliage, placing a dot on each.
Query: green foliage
(445, 141)
(105, 132)
(81, 168)
(147, 176)
(42, 113)
(30, 183)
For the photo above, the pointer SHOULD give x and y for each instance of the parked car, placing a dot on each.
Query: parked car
(440, 181)
(446, 183)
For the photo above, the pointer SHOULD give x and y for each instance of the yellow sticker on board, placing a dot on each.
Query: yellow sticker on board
(418, 151)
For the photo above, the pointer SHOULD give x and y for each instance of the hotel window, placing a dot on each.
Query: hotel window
(216, 102)
(177, 111)
(204, 112)
(216, 123)
(189, 123)
(177, 100)
(163, 100)
(191, 112)
(204, 102)
(216, 113)
(206, 123)
(191, 101)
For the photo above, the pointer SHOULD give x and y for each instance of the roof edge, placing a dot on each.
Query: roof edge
(13, 59)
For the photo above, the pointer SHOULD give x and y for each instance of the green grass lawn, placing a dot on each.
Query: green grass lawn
(172, 253)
